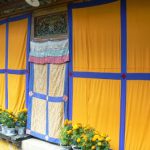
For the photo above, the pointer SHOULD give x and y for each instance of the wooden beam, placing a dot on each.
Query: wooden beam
(11, 4)
(31, 9)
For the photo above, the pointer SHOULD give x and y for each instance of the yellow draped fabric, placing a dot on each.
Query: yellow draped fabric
(138, 36)
(96, 48)
(16, 92)
(7, 146)
(17, 36)
(2, 91)
(96, 38)
(138, 116)
(2, 45)
(97, 102)
(17, 44)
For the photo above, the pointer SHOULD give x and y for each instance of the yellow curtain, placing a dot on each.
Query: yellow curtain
(96, 38)
(16, 92)
(7, 146)
(17, 42)
(97, 102)
(2, 45)
(2, 91)
(138, 116)
(138, 35)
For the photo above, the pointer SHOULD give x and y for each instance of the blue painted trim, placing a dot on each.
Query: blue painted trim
(123, 114)
(66, 91)
(55, 99)
(47, 112)
(36, 134)
(29, 113)
(9, 71)
(6, 66)
(31, 80)
(71, 61)
(116, 76)
(17, 72)
(91, 3)
(123, 37)
(54, 140)
(50, 98)
(27, 57)
(3, 21)
(17, 18)
(2, 71)
(138, 76)
(42, 137)
(66, 85)
(123, 70)
(38, 95)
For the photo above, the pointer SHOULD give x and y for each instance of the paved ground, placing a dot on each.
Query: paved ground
(35, 144)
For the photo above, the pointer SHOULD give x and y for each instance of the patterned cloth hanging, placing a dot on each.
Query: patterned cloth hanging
(55, 52)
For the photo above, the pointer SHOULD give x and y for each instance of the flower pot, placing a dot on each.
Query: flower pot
(4, 129)
(10, 131)
(1, 127)
(21, 130)
(62, 147)
(76, 148)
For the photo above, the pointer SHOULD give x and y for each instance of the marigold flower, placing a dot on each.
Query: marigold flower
(69, 132)
(100, 138)
(96, 136)
(99, 144)
(66, 122)
(75, 127)
(108, 139)
(78, 140)
(93, 139)
(93, 147)
(69, 122)
(104, 135)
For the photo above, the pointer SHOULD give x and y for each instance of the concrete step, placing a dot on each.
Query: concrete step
(36, 144)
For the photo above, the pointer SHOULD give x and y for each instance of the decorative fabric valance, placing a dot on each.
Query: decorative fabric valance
(54, 52)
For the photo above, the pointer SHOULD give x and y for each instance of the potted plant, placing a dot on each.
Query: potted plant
(8, 121)
(21, 121)
(76, 136)
(103, 142)
(3, 117)
(65, 135)
(88, 138)
(1, 110)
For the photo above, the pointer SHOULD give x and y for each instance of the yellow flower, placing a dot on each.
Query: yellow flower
(96, 136)
(66, 122)
(93, 147)
(100, 138)
(108, 139)
(79, 125)
(93, 139)
(75, 127)
(24, 110)
(104, 135)
(96, 132)
(69, 122)
(85, 138)
(9, 111)
(69, 132)
(78, 140)
(99, 144)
